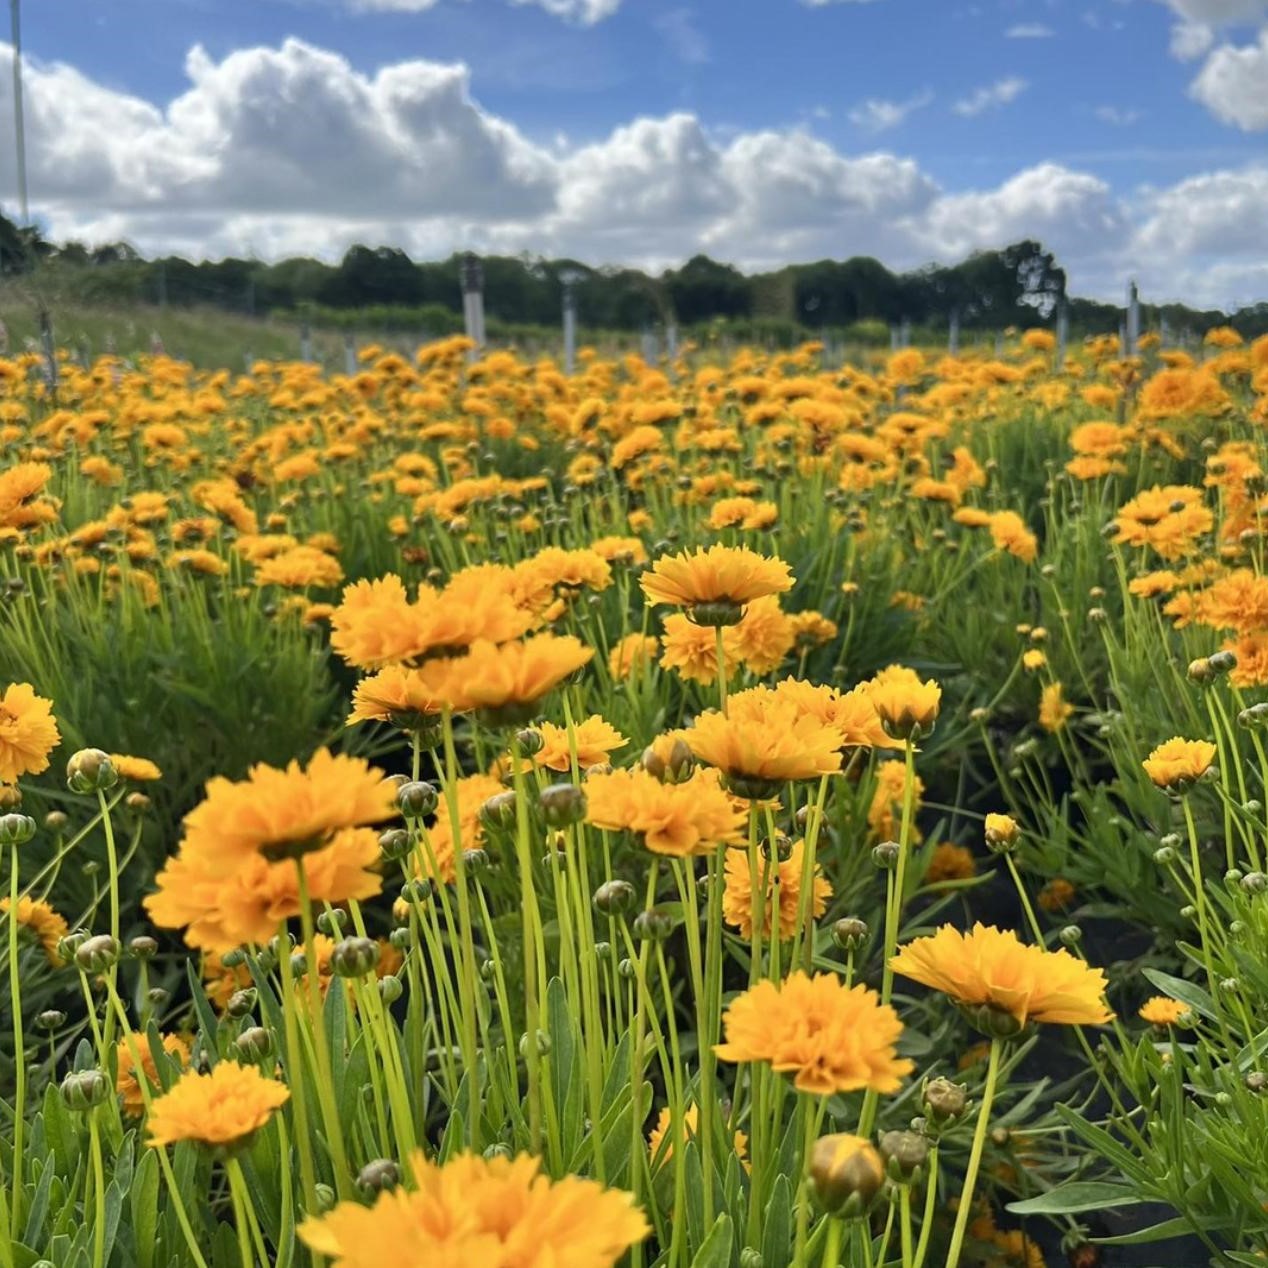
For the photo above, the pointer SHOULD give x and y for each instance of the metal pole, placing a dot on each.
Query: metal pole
(473, 302)
(19, 123)
(1063, 331)
(570, 329)
(350, 354)
(1131, 327)
(953, 336)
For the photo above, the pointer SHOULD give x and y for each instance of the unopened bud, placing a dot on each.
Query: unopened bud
(885, 855)
(254, 1044)
(499, 811)
(943, 1100)
(241, 1002)
(390, 988)
(562, 805)
(1071, 936)
(91, 770)
(653, 924)
(846, 1174)
(394, 844)
(904, 1154)
(849, 933)
(380, 1176)
(530, 741)
(51, 1019)
(84, 1089)
(417, 799)
(354, 957)
(615, 898)
(333, 922)
(16, 829)
(97, 954)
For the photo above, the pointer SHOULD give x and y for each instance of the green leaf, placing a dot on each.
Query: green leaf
(207, 1022)
(59, 1127)
(715, 1252)
(1186, 992)
(1079, 1195)
(778, 1230)
(1175, 1227)
(39, 1205)
(144, 1201)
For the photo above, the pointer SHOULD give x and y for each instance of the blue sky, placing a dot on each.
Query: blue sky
(1122, 131)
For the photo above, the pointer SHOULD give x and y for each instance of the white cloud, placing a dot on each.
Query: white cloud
(685, 39)
(1233, 84)
(1029, 31)
(1189, 40)
(584, 12)
(289, 150)
(1118, 116)
(993, 95)
(876, 115)
(1218, 12)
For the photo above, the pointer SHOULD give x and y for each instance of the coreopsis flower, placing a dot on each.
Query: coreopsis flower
(950, 863)
(396, 695)
(128, 1084)
(593, 739)
(280, 814)
(226, 903)
(1160, 1010)
(1168, 519)
(1056, 895)
(714, 584)
(851, 713)
(1004, 981)
(1009, 533)
(1001, 831)
(828, 1036)
(782, 877)
(41, 922)
(1177, 764)
(846, 1173)
(300, 568)
(1054, 708)
(28, 732)
(139, 770)
(678, 819)
(812, 629)
(221, 1109)
(763, 739)
(495, 1212)
(907, 706)
(221, 982)
(660, 1140)
(764, 635)
(632, 654)
(885, 813)
(505, 682)
(692, 650)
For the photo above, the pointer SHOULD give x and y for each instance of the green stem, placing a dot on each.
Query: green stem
(931, 1198)
(99, 1193)
(112, 866)
(19, 1048)
(295, 1074)
(975, 1158)
(240, 1207)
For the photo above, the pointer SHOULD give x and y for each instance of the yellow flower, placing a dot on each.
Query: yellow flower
(491, 1212)
(127, 1084)
(223, 1108)
(907, 707)
(506, 681)
(281, 813)
(692, 650)
(1177, 764)
(42, 922)
(1033, 658)
(28, 732)
(139, 769)
(680, 819)
(715, 584)
(1056, 895)
(634, 652)
(299, 568)
(764, 738)
(1009, 533)
(830, 1037)
(950, 863)
(396, 695)
(738, 900)
(991, 969)
(1001, 831)
(660, 1140)
(1159, 1010)
(846, 1172)
(764, 635)
(1054, 709)
(594, 739)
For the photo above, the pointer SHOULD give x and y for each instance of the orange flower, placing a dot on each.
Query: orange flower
(783, 883)
(594, 740)
(28, 733)
(715, 584)
(991, 971)
(682, 819)
(1177, 764)
(830, 1037)
(224, 1108)
(907, 707)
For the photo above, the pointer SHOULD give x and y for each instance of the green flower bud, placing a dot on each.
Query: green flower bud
(333, 922)
(69, 945)
(529, 741)
(91, 770)
(394, 844)
(56, 820)
(562, 805)
(402, 939)
(499, 811)
(885, 855)
(1070, 936)
(543, 1044)
(849, 933)
(846, 1174)
(254, 1044)
(904, 1154)
(97, 954)
(943, 1100)
(354, 957)
(241, 1003)
(325, 1198)
(390, 988)
(143, 948)
(615, 898)
(654, 925)
(417, 799)
(84, 1089)
(51, 1019)
(16, 829)
(380, 1176)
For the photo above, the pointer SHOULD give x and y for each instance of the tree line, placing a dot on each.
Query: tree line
(1021, 285)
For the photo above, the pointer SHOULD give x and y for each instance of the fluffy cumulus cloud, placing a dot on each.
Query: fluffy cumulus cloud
(878, 115)
(1233, 84)
(290, 150)
(992, 96)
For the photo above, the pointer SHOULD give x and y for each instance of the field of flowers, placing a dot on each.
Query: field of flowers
(725, 814)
